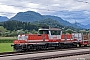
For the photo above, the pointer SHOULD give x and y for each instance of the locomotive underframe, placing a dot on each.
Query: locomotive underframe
(28, 47)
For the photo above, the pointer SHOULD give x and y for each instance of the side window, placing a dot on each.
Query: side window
(44, 32)
(54, 32)
(40, 32)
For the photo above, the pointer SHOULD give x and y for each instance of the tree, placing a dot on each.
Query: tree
(34, 32)
(69, 31)
(20, 32)
(26, 32)
(83, 31)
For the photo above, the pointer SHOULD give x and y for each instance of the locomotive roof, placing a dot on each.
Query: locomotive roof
(49, 29)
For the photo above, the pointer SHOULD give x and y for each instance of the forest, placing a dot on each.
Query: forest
(14, 27)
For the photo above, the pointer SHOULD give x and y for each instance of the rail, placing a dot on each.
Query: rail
(34, 52)
(55, 56)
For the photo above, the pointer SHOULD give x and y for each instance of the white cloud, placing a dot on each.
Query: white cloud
(87, 12)
(45, 5)
(10, 8)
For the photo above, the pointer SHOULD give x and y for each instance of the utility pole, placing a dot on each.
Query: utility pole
(75, 26)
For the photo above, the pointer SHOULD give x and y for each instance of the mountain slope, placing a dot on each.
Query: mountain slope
(31, 16)
(82, 26)
(49, 22)
(63, 22)
(17, 25)
(3, 18)
(87, 26)
(28, 16)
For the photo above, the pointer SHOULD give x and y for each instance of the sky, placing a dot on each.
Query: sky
(70, 10)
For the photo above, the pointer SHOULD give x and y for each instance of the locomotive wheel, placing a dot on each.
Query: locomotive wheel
(78, 45)
(19, 50)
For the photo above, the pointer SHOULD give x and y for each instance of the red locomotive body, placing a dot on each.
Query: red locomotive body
(49, 38)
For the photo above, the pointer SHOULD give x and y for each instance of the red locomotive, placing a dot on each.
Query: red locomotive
(50, 38)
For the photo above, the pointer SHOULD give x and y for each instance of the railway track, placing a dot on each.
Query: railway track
(55, 56)
(49, 55)
(34, 52)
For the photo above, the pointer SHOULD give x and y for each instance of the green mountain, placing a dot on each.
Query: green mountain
(60, 20)
(17, 25)
(28, 16)
(31, 16)
(49, 22)
(3, 18)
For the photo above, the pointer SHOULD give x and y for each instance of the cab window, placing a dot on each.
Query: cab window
(43, 32)
(55, 32)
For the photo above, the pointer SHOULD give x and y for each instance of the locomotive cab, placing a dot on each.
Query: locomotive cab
(53, 33)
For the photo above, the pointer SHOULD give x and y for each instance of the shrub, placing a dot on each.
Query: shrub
(6, 40)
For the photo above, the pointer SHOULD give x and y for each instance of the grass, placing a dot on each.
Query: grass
(5, 47)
